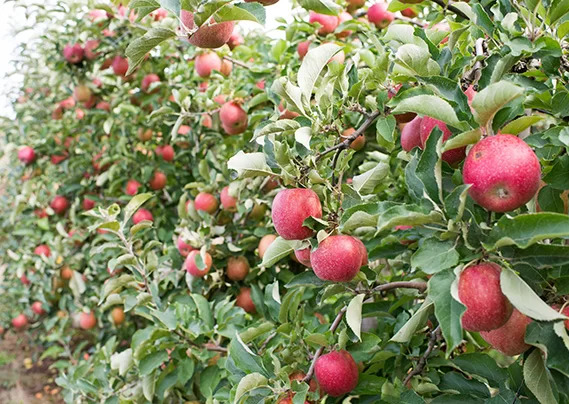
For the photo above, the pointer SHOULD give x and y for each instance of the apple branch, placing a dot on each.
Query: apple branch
(452, 8)
(237, 62)
(433, 338)
(420, 286)
(409, 20)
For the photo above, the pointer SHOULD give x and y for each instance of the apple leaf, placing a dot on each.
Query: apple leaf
(277, 250)
(463, 139)
(248, 383)
(242, 12)
(354, 315)
(543, 336)
(280, 127)
(429, 105)
(417, 60)
(489, 101)
(434, 256)
(417, 320)
(244, 358)
(138, 48)
(134, 204)
(312, 65)
(327, 7)
(536, 378)
(520, 124)
(366, 182)
(290, 93)
(249, 164)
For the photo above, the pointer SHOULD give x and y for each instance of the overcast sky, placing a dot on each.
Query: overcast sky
(12, 17)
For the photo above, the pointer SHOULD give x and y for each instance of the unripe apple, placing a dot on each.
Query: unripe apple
(409, 13)
(233, 118)
(209, 35)
(337, 258)
(264, 243)
(90, 47)
(237, 268)
(87, 321)
(148, 80)
(303, 256)
(509, 338)
(117, 314)
(504, 173)
(42, 249)
(411, 135)
(82, 93)
(183, 248)
(290, 208)
(227, 201)
(119, 66)
(328, 23)
(206, 63)
(206, 202)
(302, 49)
(226, 67)
(59, 204)
(378, 15)
(258, 212)
(337, 373)
(244, 300)
(193, 269)
(166, 152)
(235, 40)
(73, 53)
(358, 143)
(142, 214)
(20, 321)
(27, 155)
(479, 290)
(452, 157)
(66, 273)
(144, 134)
(132, 187)
(37, 308)
(158, 181)
(88, 204)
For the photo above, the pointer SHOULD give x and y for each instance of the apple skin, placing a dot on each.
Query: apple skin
(264, 243)
(166, 152)
(226, 67)
(235, 40)
(193, 269)
(290, 208)
(59, 204)
(358, 143)
(504, 173)
(411, 135)
(244, 300)
(66, 273)
(20, 321)
(343, 17)
(158, 181)
(328, 22)
(103, 106)
(141, 215)
(211, 34)
(90, 47)
(302, 49)
(233, 118)
(206, 202)
(117, 315)
(509, 339)
(337, 373)
(87, 321)
(479, 290)
(337, 258)
(42, 249)
(353, 5)
(285, 113)
(88, 204)
(409, 13)
(378, 15)
(119, 66)
(148, 80)
(82, 93)
(303, 256)
(183, 248)
(363, 251)
(37, 308)
(237, 268)
(227, 201)
(27, 155)
(452, 157)
(73, 53)
(132, 187)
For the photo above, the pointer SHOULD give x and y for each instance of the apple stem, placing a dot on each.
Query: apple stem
(435, 335)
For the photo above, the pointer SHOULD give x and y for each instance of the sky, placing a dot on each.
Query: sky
(12, 16)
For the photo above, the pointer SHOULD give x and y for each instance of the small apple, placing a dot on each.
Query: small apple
(20, 321)
(206, 63)
(166, 152)
(90, 47)
(302, 49)
(42, 249)
(303, 256)
(378, 15)
(233, 118)
(226, 67)
(158, 181)
(235, 40)
(209, 35)
(244, 300)
(148, 80)
(88, 204)
(411, 134)
(237, 268)
(117, 315)
(27, 155)
(358, 143)
(141, 215)
(59, 204)
(328, 23)
(264, 243)
(119, 66)
(82, 93)
(87, 321)
(191, 266)
(37, 308)
(227, 201)
(73, 53)
(452, 157)
(206, 202)
(183, 248)
(132, 187)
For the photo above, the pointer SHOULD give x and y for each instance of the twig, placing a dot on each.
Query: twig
(420, 286)
(266, 341)
(435, 335)
(237, 62)
(409, 20)
(450, 7)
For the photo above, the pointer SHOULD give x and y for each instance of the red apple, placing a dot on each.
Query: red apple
(191, 266)
(20, 321)
(183, 248)
(409, 13)
(59, 204)
(37, 308)
(303, 256)
(73, 53)
(166, 152)
(378, 15)
(328, 23)
(148, 80)
(264, 243)
(42, 249)
(206, 202)
(235, 40)
(509, 338)
(142, 214)
(132, 187)
(158, 181)
(337, 373)
(120, 66)
(27, 155)
(343, 17)
(337, 258)
(227, 201)
(209, 35)
(104, 106)
(411, 134)
(88, 204)
(206, 63)
(87, 321)
(233, 118)
(290, 208)
(237, 268)
(302, 49)
(90, 47)
(244, 300)
(452, 157)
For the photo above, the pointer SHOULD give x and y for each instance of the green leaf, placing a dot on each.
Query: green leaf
(242, 12)
(429, 105)
(248, 383)
(417, 320)
(327, 7)
(145, 224)
(416, 61)
(148, 386)
(489, 101)
(281, 127)
(277, 250)
(122, 361)
(290, 93)
(138, 48)
(479, 364)
(251, 333)
(434, 256)
(537, 379)
(204, 310)
(249, 164)
(134, 204)
(447, 310)
(151, 362)
(317, 339)
(143, 7)
(407, 215)
(244, 359)
(520, 124)
(463, 139)
(543, 336)
(366, 182)
(312, 65)
(354, 315)
(307, 278)
(385, 127)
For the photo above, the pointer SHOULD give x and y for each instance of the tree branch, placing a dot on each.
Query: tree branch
(237, 62)
(452, 8)
(420, 286)
(435, 335)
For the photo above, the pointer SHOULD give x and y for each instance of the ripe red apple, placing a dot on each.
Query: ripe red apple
(302, 49)
(104, 106)
(328, 23)
(363, 251)
(409, 13)
(303, 256)
(88, 204)
(235, 40)
(207, 122)
(191, 266)
(244, 300)
(378, 15)
(37, 308)
(42, 249)
(411, 134)
(87, 321)
(68, 103)
(20, 321)
(227, 201)
(158, 181)
(120, 66)
(290, 208)
(237, 268)
(209, 35)
(82, 93)
(358, 143)
(260, 84)
(59, 204)
(337, 373)
(509, 338)
(166, 152)
(132, 187)
(206, 202)
(233, 118)
(452, 157)
(353, 5)
(206, 63)
(73, 53)
(66, 273)
(565, 311)
(27, 155)
(90, 47)
(117, 315)
(183, 248)
(148, 80)
(142, 214)
(264, 243)
(343, 17)
(337, 258)
(479, 290)
(24, 279)
(504, 172)
(285, 113)
(226, 67)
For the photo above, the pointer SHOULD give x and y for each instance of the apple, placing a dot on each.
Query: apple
(411, 134)
(220, 99)
(479, 290)
(285, 113)
(363, 251)
(144, 134)
(260, 84)
(183, 248)
(90, 103)
(117, 315)
(290, 208)
(244, 300)
(503, 171)
(353, 5)
(158, 181)
(87, 321)
(509, 338)
(42, 249)
(24, 279)
(57, 113)
(226, 67)
(90, 47)
(453, 157)
(73, 53)
(20, 321)
(88, 204)
(209, 35)
(235, 40)
(37, 308)
(358, 143)
(141, 215)
(79, 113)
(68, 103)
(207, 122)
(132, 187)
(337, 373)
(228, 201)
(27, 155)
(258, 212)
(166, 152)
(339, 57)
(409, 13)
(191, 266)
(148, 80)
(119, 66)
(337, 258)
(343, 17)
(328, 23)
(264, 243)
(66, 273)
(237, 268)
(302, 49)
(59, 204)
(206, 202)
(206, 63)
(233, 118)
(103, 106)
(82, 93)
(378, 15)
(303, 256)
